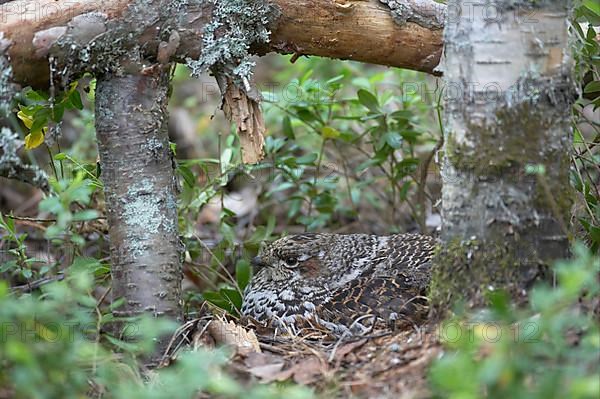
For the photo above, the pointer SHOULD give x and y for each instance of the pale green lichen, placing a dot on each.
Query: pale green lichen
(235, 26)
(430, 15)
(141, 211)
(6, 91)
(11, 165)
(7, 88)
(144, 213)
(154, 146)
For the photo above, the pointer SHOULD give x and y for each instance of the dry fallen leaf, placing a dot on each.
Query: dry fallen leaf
(267, 371)
(309, 370)
(224, 333)
(303, 371)
(345, 349)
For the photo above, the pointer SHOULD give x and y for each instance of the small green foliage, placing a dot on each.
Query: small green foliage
(53, 346)
(585, 173)
(320, 128)
(40, 110)
(69, 192)
(20, 265)
(549, 350)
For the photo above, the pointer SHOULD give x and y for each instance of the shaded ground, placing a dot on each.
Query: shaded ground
(380, 365)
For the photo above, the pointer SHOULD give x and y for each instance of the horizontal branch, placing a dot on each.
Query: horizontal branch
(362, 30)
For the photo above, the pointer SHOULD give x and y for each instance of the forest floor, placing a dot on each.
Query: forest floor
(382, 364)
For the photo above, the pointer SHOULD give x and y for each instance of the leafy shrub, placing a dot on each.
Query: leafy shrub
(547, 351)
(53, 345)
(585, 172)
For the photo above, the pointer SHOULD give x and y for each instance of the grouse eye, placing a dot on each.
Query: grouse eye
(291, 262)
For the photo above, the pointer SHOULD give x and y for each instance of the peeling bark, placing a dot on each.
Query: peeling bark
(245, 112)
(506, 196)
(140, 190)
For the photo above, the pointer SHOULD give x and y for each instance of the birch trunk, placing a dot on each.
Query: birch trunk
(506, 196)
(141, 203)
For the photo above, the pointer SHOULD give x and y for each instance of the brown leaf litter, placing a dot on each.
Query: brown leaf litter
(381, 365)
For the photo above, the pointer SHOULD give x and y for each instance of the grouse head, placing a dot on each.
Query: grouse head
(295, 257)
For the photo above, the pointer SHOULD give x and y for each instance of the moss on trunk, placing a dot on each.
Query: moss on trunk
(506, 197)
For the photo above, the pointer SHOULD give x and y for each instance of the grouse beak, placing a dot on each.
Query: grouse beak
(257, 263)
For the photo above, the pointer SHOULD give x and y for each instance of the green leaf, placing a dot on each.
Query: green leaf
(306, 115)
(218, 300)
(329, 132)
(27, 273)
(592, 5)
(393, 139)
(288, 130)
(369, 100)
(87, 214)
(403, 193)
(402, 115)
(334, 79)
(242, 273)
(51, 204)
(33, 95)
(8, 224)
(407, 165)
(125, 346)
(410, 135)
(294, 207)
(282, 186)
(75, 99)
(84, 263)
(592, 87)
(367, 164)
(226, 158)
(233, 296)
(593, 231)
(40, 119)
(57, 112)
(187, 175)
(307, 159)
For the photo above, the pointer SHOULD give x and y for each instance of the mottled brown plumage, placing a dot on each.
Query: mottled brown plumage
(342, 282)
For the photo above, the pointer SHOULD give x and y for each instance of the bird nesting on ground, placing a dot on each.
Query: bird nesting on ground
(347, 283)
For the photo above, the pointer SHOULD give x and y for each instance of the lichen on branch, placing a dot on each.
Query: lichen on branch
(11, 165)
(235, 26)
(426, 13)
(7, 88)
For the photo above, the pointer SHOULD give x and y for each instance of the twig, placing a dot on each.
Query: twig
(38, 220)
(219, 263)
(28, 219)
(29, 287)
(179, 332)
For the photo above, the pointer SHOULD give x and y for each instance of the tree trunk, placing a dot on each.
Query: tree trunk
(139, 186)
(506, 196)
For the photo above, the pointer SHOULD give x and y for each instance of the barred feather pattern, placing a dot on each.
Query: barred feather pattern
(347, 283)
